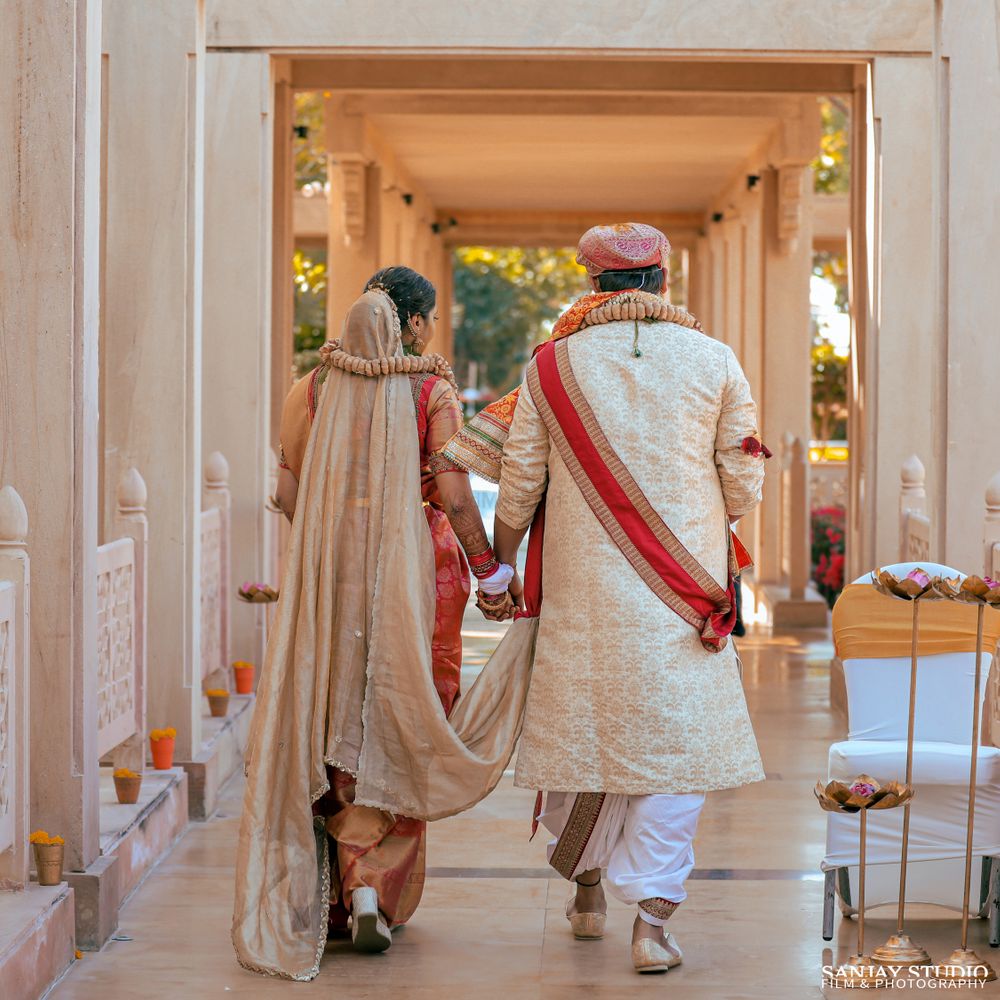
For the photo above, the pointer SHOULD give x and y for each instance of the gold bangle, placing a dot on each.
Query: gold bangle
(493, 602)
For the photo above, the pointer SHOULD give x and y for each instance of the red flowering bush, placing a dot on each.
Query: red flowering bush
(828, 552)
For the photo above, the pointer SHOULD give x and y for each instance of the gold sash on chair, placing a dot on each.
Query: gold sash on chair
(869, 625)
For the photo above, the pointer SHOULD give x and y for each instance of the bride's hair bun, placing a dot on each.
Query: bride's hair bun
(411, 292)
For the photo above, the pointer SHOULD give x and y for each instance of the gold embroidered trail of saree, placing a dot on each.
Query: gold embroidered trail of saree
(347, 678)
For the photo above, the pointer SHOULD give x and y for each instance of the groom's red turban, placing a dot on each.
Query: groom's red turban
(626, 246)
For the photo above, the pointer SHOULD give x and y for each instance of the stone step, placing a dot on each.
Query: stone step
(778, 610)
(36, 939)
(222, 752)
(133, 840)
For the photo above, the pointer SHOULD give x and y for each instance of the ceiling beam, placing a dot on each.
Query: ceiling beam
(669, 105)
(831, 219)
(795, 27)
(555, 228)
(607, 75)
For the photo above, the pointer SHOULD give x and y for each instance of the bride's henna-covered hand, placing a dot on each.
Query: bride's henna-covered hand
(463, 514)
(462, 511)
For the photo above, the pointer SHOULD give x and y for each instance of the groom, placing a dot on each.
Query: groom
(634, 446)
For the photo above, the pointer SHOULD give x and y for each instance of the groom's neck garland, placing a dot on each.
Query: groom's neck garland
(610, 307)
(478, 447)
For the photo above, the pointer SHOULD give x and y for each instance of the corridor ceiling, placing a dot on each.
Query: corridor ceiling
(573, 135)
(545, 162)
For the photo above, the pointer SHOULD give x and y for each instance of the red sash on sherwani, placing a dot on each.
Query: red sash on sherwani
(656, 554)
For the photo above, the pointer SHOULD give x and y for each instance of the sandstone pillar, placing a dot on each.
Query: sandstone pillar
(236, 398)
(904, 363)
(282, 243)
(861, 249)
(968, 84)
(353, 253)
(444, 339)
(784, 396)
(50, 83)
(153, 322)
(697, 278)
(785, 359)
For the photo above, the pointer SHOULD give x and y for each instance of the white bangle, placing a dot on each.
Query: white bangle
(498, 581)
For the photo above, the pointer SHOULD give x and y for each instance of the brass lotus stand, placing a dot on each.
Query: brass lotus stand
(862, 794)
(963, 963)
(916, 586)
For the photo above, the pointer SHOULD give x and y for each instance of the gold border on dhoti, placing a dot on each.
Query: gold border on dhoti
(576, 833)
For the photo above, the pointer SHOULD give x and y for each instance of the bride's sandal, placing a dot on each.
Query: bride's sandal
(585, 926)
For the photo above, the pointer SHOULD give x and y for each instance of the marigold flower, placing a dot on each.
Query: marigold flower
(78, 954)
(217, 692)
(124, 772)
(41, 837)
(163, 734)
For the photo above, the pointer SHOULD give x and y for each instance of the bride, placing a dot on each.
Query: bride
(364, 660)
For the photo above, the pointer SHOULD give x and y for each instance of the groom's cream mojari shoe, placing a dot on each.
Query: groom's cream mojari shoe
(651, 956)
(369, 931)
(585, 926)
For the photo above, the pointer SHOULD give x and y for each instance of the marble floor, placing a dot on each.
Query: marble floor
(491, 923)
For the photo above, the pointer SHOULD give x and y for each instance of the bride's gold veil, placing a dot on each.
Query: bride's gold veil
(347, 677)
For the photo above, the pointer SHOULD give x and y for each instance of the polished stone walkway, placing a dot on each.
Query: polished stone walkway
(491, 922)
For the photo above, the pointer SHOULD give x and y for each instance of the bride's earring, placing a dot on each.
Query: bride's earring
(417, 344)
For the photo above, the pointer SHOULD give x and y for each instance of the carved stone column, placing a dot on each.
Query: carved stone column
(153, 322)
(353, 253)
(50, 82)
(237, 345)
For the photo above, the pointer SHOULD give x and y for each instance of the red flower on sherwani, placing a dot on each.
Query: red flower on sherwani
(754, 446)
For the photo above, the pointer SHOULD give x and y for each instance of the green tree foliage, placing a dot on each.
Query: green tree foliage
(829, 392)
(309, 139)
(832, 168)
(832, 267)
(506, 300)
(830, 370)
(309, 275)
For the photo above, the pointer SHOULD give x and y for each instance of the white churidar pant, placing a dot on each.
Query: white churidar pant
(644, 841)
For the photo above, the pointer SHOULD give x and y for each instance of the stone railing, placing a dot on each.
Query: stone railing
(794, 516)
(914, 524)
(215, 566)
(121, 629)
(14, 653)
(827, 485)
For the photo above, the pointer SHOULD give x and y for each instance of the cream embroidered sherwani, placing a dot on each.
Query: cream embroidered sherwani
(624, 698)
